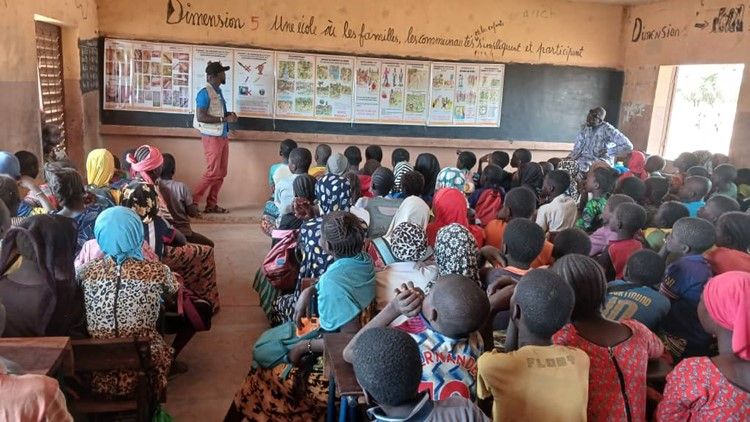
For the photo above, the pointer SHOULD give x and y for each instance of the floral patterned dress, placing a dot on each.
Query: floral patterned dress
(606, 398)
(123, 301)
(697, 391)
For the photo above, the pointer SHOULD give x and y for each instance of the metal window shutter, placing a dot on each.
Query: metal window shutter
(50, 67)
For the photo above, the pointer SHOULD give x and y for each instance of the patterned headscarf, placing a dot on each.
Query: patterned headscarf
(333, 193)
(574, 171)
(399, 170)
(143, 160)
(456, 252)
(412, 210)
(727, 300)
(450, 177)
(409, 242)
(100, 167)
(119, 233)
(141, 198)
(337, 164)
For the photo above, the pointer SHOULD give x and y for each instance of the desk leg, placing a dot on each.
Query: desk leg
(331, 411)
(343, 408)
(352, 404)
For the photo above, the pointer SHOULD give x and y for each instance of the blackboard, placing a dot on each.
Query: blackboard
(540, 103)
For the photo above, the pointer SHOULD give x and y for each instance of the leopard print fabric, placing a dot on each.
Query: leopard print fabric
(143, 285)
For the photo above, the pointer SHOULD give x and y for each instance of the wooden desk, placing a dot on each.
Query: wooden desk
(39, 355)
(341, 379)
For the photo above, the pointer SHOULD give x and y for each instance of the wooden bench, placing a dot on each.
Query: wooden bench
(115, 354)
(341, 379)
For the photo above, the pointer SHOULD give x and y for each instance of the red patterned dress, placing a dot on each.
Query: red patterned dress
(697, 391)
(606, 398)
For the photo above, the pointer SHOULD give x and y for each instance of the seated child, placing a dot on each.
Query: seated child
(683, 284)
(599, 184)
(365, 177)
(497, 158)
(632, 187)
(743, 184)
(717, 206)
(627, 221)
(546, 167)
(487, 200)
(655, 165)
(299, 164)
(445, 325)
(388, 365)
(723, 180)
(412, 184)
(692, 193)
(718, 388)
(535, 380)
(636, 296)
(322, 154)
(519, 203)
(374, 152)
(280, 170)
(665, 217)
(179, 200)
(699, 171)
(732, 244)
(561, 210)
(636, 165)
(531, 176)
(379, 209)
(618, 351)
(354, 157)
(682, 163)
(456, 177)
(601, 237)
(656, 189)
(520, 157)
(400, 162)
(571, 241)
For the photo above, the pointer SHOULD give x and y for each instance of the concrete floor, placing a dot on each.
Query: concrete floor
(219, 359)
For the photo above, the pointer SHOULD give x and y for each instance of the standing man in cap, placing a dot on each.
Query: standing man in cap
(212, 120)
(598, 140)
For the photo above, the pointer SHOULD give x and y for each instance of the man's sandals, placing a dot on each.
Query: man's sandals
(215, 210)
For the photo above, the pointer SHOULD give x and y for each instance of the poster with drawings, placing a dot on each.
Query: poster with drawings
(392, 83)
(417, 92)
(201, 56)
(118, 74)
(490, 101)
(175, 78)
(334, 88)
(147, 76)
(442, 90)
(295, 86)
(367, 90)
(465, 101)
(253, 83)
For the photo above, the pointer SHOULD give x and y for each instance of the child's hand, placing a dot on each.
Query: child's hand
(499, 293)
(300, 308)
(493, 255)
(295, 355)
(408, 300)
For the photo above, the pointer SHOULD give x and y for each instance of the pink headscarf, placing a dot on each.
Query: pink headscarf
(637, 165)
(141, 168)
(727, 299)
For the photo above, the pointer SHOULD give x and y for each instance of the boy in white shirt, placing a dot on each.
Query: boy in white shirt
(561, 210)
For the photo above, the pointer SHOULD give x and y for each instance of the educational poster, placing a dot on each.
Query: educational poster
(295, 86)
(253, 83)
(489, 106)
(118, 74)
(465, 101)
(201, 56)
(442, 90)
(417, 92)
(175, 78)
(392, 81)
(334, 88)
(367, 90)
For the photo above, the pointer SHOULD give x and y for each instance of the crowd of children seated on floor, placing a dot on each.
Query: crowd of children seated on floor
(539, 293)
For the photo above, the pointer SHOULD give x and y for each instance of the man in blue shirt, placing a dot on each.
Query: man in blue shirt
(598, 140)
(212, 120)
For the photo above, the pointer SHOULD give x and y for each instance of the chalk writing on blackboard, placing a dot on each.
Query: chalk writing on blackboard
(177, 12)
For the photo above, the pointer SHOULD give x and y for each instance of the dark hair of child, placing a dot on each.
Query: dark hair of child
(353, 155)
(29, 164)
(343, 234)
(66, 185)
(117, 162)
(521, 202)
(696, 234)
(743, 176)
(655, 163)
(286, 147)
(547, 167)
(698, 171)
(500, 159)
(370, 166)
(388, 365)
(686, 160)
(169, 166)
(628, 219)
(429, 166)
(9, 194)
(322, 154)
(571, 241)
(300, 159)
(355, 185)
(605, 179)
(632, 187)
(645, 267)
(717, 206)
(545, 302)
(559, 180)
(695, 188)
(492, 177)
(382, 181)
(555, 161)
(412, 183)
(656, 189)
(304, 187)
(398, 155)
(668, 214)
(461, 305)
(374, 152)
(466, 160)
(588, 281)
(520, 157)
(523, 241)
(124, 159)
(733, 231)
(723, 175)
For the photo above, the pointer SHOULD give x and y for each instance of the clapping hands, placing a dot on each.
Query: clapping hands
(408, 300)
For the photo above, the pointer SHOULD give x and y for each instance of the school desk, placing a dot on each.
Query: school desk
(341, 379)
(39, 355)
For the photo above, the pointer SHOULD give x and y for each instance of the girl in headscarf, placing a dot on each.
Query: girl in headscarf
(636, 166)
(141, 287)
(399, 169)
(456, 252)
(194, 263)
(717, 388)
(576, 178)
(337, 164)
(100, 167)
(531, 175)
(333, 193)
(412, 210)
(37, 279)
(450, 206)
(429, 166)
(145, 165)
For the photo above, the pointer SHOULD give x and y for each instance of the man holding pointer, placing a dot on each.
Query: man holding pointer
(212, 120)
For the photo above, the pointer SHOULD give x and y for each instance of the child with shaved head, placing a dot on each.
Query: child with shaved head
(693, 193)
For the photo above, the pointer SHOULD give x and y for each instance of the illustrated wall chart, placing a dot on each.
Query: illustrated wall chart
(160, 77)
